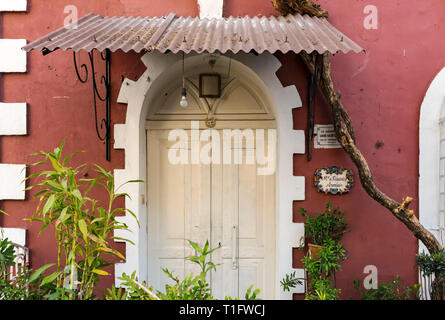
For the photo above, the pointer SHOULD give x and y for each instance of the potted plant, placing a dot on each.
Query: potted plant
(330, 224)
(321, 271)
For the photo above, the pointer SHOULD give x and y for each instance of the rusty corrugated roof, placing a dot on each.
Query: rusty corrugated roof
(170, 33)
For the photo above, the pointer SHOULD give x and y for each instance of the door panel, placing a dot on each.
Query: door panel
(243, 205)
(178, 210)
(224, 218)
(252, 272)
(228, 204)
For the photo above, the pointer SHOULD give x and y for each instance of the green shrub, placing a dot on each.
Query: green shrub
(7, 255)
(83, 226)
(290, 281)
(190, 288)
(326, 225)
(325, 230)
(328, 261)
(432, 264)
(321, 269)
(322, 289)
(392, 290)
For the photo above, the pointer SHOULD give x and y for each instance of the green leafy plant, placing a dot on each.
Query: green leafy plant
(391, 290)
(7, 255)
(28, 284)
(326, 225)
(290, 281)
(133, 290)
(324, 231)
(10, 288)
(321, 269)
(322, 289)
(206, 266)
(115, 293)
(83, 226)
(432, 264)
(17, 288)
(190, 288)
(250, 294)
(328, 261)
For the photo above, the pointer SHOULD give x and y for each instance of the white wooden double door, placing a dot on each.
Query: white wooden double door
(228, 204)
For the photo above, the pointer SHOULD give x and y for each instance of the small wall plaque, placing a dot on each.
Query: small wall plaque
(325, 137)
(334, 180)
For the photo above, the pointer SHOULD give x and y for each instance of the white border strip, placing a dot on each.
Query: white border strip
(12, 184)
(13, 5)
(12, 57)
(15, 235)
(210, 8)
(12, 119)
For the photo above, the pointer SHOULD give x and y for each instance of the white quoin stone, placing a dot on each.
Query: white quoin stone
(12, 184)
(210, 8)
(12, 119)
(13, 5)
(12, 57)
(15, 235)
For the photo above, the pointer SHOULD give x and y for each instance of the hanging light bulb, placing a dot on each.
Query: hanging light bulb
(183, 103)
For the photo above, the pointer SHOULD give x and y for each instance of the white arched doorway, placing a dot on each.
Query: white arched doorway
(140, 96)
(432, 159)
(212, 184)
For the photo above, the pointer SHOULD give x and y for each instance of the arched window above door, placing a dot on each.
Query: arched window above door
(240, 99)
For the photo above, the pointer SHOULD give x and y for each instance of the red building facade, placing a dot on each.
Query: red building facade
(383, 89)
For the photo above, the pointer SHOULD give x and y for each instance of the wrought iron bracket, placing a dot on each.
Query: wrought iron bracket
(103, 126)
(314, 81)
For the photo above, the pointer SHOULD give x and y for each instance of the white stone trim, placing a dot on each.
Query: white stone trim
(210, 8)
(131, 136)
(15, 235)
(429, 147)
(13, 5)
(12, 119)
(12, 184)
(12, 57)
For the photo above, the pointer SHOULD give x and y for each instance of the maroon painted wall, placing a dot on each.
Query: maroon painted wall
(382, 90)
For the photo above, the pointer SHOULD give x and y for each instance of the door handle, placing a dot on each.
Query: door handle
(234, 248)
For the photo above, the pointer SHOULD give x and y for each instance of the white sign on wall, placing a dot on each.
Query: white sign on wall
(325, 137)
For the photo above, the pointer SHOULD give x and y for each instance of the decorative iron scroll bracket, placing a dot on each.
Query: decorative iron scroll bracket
(314, 81)
(103, 126)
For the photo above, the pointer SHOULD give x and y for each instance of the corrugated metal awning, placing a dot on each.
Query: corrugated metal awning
(293, 33)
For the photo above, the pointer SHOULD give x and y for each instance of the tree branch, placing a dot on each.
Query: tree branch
(146, 290)
(345, 135)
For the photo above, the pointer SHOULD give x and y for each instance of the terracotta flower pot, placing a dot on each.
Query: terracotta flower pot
(314, 250)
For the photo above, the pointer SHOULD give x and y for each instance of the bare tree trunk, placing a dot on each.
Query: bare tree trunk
(345, 135)
(438, 289)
